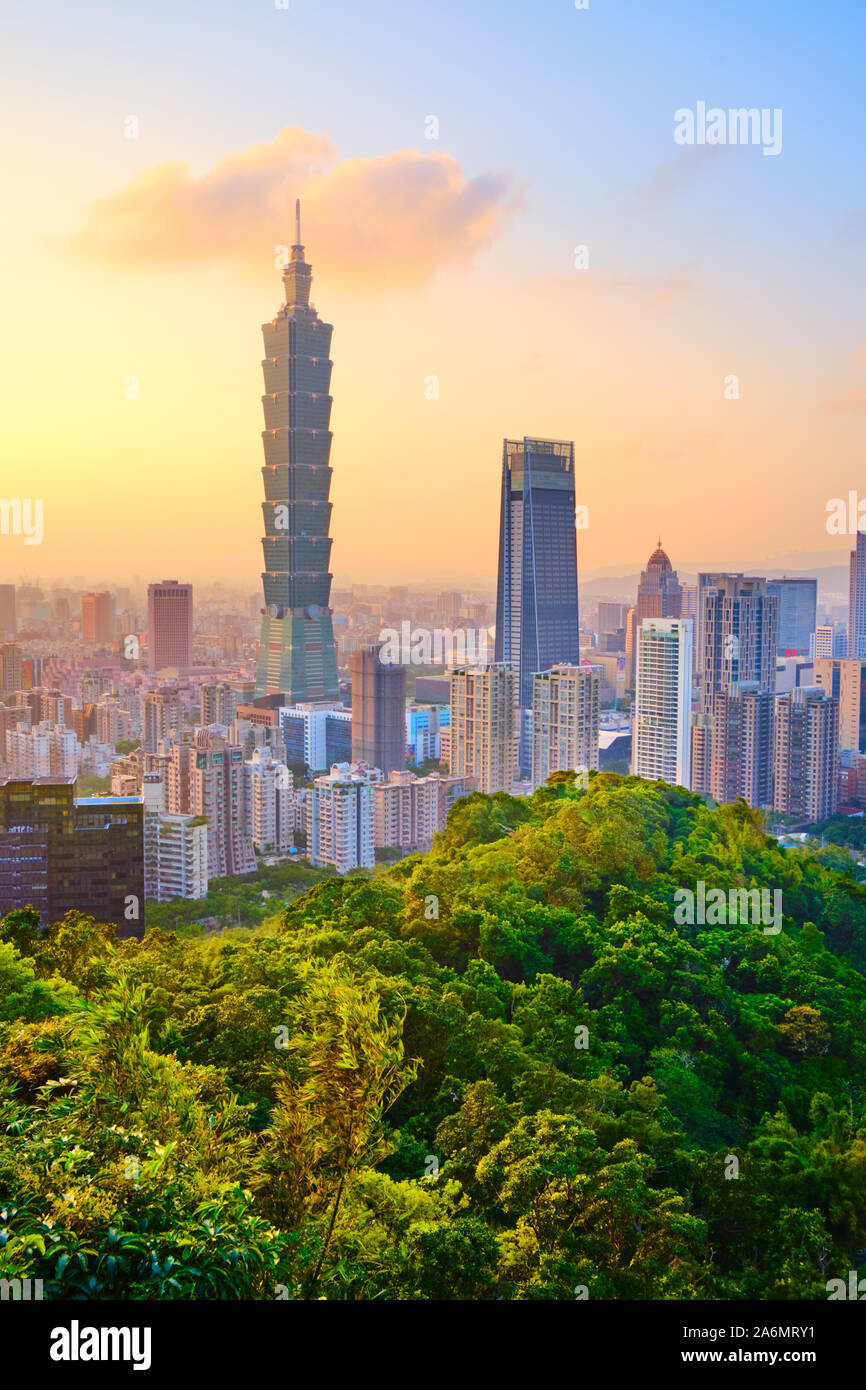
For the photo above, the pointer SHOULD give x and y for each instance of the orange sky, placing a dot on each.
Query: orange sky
(164, 273)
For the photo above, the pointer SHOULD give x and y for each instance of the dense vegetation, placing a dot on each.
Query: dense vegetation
(843, 830)
(243, 902)
(496, 1071)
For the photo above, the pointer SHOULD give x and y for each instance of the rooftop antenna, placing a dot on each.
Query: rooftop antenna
(298, 220)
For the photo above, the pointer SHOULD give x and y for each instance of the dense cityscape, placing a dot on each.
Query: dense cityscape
(153, 744)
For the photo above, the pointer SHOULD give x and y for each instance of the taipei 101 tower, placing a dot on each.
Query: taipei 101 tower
(297, 657)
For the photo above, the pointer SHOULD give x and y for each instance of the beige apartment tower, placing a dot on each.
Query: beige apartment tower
(565, 718)
(805, 763)
(484, 726)
(844, 679)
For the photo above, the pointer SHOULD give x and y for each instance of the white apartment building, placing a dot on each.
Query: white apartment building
(316, 718)
(175, 849)
(663, 700)
(340, 817)
(409, 810)
(271, 801)
(42, 752)
(823, 641)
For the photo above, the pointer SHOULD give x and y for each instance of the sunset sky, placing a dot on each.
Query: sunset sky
(154, 258)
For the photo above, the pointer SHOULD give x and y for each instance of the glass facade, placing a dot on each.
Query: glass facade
(59, 854)
(537, 624)
(798, 606)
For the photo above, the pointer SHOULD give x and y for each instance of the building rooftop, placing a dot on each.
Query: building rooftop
(107, 800)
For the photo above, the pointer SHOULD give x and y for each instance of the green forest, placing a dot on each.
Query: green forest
(496, 1071)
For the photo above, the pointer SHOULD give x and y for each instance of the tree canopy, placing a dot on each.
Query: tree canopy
(499, 1070)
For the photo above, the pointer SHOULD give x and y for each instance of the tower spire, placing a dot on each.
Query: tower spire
(297, 276)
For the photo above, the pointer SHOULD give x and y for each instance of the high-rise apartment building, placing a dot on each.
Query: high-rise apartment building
(97, 619)
(378, 710)
(661, 743)
(297, 656)
(271, 801)
(630, 646)
(857, 599)
(8, 621)
(92, 684)
(844, 679)
(219, 704)
(405, 812)
(178, 778)
(46, 706)
(448, 604)
(738, 625)
(113, 722)
(409, 810)
(611, 616)
(59, 854)
(659, 592)
(823, 645)
(732, 737)
(798, 607)
(218, 789)
(806, 754)
(175, 848)
(565, 720)
(10, 669)
(537, 623)
(483, 730)
(737, 761)
(162, 718)
(169, 625)
(341, 818)
(43, 751)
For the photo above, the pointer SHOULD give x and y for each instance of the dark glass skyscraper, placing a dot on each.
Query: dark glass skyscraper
(798, 606)
(297, 656)
(378, 710)
(537, 623)
(59, 853)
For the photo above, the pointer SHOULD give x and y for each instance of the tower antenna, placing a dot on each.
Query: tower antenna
(298, 220)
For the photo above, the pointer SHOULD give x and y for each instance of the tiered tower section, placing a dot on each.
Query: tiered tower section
(297, 656)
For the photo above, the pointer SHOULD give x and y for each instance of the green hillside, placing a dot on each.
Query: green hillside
(501, 1070)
